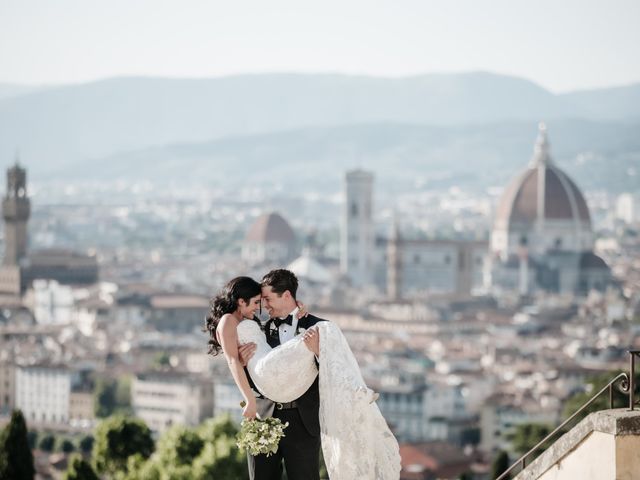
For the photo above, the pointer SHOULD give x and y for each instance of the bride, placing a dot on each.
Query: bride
(335, 406)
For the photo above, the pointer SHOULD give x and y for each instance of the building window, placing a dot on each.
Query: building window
(354, 210)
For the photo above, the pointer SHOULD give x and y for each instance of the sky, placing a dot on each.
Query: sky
(562, 45)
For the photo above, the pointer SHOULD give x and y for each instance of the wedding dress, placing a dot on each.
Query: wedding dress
(356, 441)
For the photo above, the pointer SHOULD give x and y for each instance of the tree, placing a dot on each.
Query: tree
(528, 435)
(86, 444)
(112, 396)
(214, 428)
(162, 360)
(46, 442)
(123, 394)
(32, 437)
(179, 446)
(140, 468)
(117, 438)
(79, 469)
(104, 398)
(16, 459)
(500, 464)
(221, 459)
(209, 451)
(65, 445)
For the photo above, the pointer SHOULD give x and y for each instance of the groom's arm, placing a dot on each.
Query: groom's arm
(245, 352)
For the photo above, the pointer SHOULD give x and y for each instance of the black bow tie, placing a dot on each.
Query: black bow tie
(279, 321)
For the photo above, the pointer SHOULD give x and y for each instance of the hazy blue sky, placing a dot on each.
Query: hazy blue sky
(560, 44)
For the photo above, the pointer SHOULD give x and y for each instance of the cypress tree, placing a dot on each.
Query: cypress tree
(500, 464)
(79, 469)
(16, 459)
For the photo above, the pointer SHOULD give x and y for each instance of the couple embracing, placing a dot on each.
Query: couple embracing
(300, 369)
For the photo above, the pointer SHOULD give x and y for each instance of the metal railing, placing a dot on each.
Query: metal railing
(626, 386)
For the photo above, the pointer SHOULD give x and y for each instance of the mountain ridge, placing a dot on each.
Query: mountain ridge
(61, 127)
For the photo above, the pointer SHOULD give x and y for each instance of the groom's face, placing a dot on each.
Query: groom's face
(276, 304)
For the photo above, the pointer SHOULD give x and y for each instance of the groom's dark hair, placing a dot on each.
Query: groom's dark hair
(281, 280)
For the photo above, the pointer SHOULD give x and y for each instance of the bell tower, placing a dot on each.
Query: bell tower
(357, 234)
(394, 264)
(16, 209)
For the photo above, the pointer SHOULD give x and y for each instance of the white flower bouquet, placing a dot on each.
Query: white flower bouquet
(261, 436)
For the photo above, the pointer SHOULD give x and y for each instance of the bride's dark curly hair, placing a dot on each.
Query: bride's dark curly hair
(226, 301)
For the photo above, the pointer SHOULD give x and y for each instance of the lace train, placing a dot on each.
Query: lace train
(356, 440)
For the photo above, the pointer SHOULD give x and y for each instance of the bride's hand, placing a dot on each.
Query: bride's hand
(302, 310)
(312, 340)
(250, 409)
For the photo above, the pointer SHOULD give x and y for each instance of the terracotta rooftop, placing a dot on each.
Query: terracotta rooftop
(179, 301)
(561, 198)
(270, 227)
(442, 459)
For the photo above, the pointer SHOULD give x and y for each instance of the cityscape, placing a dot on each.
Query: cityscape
(454, 185)
(464, 337)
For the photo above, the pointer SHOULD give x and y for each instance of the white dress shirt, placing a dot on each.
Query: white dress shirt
(286, 331)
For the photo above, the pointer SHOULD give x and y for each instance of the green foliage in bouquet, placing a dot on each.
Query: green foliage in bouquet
(261, 436)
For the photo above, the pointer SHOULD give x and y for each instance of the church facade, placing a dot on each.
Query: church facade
(402, 268)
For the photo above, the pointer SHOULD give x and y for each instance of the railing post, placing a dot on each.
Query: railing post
(610, 396)
(632, 375)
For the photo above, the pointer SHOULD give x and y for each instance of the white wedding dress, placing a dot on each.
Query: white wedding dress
(356, 441)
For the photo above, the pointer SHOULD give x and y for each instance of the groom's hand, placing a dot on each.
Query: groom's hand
(245, 352)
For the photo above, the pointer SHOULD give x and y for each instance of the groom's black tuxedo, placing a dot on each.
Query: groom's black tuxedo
(309, 402)
(300, 448)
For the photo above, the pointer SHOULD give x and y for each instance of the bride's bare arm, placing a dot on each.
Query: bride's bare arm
(229, 341)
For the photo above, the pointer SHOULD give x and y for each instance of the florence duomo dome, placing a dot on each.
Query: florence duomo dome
(542, 234)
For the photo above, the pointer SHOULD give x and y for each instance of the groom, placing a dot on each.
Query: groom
(300, 447)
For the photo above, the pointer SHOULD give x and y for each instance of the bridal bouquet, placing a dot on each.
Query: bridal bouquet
(261, 436)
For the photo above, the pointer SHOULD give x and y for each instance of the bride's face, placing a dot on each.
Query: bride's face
(248, 310)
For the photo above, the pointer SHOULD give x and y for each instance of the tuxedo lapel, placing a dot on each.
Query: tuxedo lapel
(306, 322)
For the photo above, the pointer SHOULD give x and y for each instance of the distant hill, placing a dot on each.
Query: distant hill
(597, 154)
(608, 103)
(58, 127)
(8, 90)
